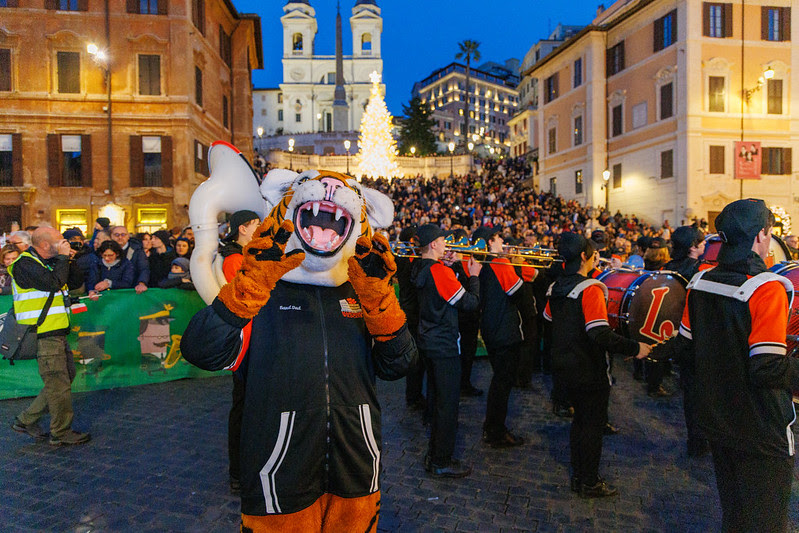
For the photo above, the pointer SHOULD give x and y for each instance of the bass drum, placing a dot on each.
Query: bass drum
(643, 305)
(777, 251)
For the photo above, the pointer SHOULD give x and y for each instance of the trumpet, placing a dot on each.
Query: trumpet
(524, 257)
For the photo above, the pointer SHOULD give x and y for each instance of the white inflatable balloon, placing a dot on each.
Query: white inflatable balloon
(232, 186)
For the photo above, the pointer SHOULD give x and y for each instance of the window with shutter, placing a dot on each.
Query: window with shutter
(578, 182)
(68, 65)
(6, 160)
(776, 161)
(166, 161)
(136, 161)
(225, 112)
(68, 5)
(716, 20)
(71, 164)
(666, 101)
(617, 176)
(5, 69)
(149, 75)
(667, 164)
(615, 59)
(578, 72)
(716, 160)
(774, 90)
(54, 160)
(225, 46)
(773, 24)
(665, 29)
(578, 130)
(553, 140)
(85, 161)
(198, 86)
(151, 158)
(617, 125)
(716, 96)
(553, 186)
(198, 15)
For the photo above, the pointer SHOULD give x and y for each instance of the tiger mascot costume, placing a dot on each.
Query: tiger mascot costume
(309, 320)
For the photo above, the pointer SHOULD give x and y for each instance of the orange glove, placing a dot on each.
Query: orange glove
(263, 265)
(370, 272)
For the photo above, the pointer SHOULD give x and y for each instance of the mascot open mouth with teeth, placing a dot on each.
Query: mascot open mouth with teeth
(309, 320)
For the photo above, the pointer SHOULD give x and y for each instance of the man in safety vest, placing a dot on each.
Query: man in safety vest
(39, 271)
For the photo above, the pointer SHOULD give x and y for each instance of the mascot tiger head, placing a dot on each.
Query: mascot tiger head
(330, 211)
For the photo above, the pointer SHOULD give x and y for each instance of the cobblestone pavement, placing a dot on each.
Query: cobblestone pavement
(158, 462)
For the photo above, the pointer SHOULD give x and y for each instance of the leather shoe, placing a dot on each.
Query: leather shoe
(505, 440)
(659, 392)
(453, 469)
(600, 490)
(471, 390)
(610, 429)
(34, 430)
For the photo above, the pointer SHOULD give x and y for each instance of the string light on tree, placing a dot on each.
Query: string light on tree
(783, 219)
(377, 149)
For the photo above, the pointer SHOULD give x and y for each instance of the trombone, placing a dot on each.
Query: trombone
(522, 257)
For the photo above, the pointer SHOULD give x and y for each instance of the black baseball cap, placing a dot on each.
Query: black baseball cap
(682, 239)
(407, 233)
(240, 218)
(570, 247)
(427, 233)
(738, 224)
(599, 239)
(485, 233)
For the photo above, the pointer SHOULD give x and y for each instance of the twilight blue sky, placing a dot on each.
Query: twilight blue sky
(421, 36)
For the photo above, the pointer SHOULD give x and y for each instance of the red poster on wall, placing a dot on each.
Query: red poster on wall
(747, 160)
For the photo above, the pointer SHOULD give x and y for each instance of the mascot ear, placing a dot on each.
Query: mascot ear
(278, 182)
(379, 208)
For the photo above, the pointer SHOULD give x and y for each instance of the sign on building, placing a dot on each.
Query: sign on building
(747, 160)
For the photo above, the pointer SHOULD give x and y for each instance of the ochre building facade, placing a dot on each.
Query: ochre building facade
(180, 78)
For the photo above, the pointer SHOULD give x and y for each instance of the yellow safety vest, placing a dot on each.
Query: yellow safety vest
(29, 303)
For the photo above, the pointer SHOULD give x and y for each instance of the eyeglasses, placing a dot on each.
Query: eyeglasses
(119, 234)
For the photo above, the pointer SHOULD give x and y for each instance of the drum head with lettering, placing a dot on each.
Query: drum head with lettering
(655, 307)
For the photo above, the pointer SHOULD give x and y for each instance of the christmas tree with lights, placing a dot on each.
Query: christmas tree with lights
(377, 149)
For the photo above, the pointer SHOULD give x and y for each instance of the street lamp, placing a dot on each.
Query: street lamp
(471, 161)
(291, 149)
(606, 179)
(347, 145)
(767, 75)
(260, 132)
(102, 60)
(413, 150)
(451, 147)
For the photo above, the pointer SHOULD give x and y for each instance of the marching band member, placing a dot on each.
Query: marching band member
(468, 321)
(581, 337)
(500, 325)
(440, 297)
(733, 335)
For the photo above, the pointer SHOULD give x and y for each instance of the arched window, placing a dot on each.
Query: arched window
(366, 42)
(296, 42)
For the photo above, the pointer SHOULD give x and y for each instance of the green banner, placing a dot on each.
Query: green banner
(122, 339)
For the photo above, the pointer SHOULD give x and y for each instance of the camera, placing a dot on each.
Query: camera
(75, 245)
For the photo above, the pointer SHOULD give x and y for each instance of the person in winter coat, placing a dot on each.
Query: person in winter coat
(179, 276)
(161, 257)
(113, 271)
(8, 254)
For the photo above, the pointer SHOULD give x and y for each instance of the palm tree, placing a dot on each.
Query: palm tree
(469, 50)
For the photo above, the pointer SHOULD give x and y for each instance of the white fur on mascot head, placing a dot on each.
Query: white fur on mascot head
(330, 211)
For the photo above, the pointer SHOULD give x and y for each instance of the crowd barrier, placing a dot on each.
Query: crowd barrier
(122, 339)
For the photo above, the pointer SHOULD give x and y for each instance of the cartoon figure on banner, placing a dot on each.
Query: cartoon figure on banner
(90, 350)
(309, 320)
(159, 349)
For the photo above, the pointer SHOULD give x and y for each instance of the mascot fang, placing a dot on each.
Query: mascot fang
(308, 321)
